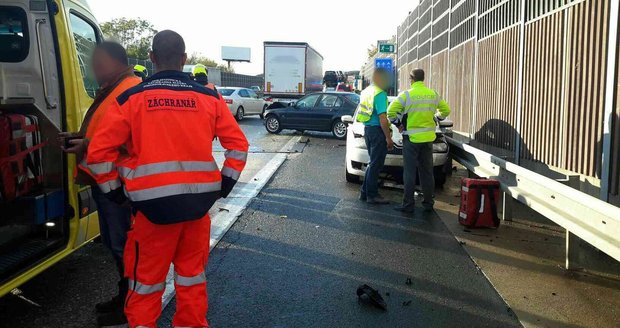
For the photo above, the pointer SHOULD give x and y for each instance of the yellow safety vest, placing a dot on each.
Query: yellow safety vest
(419, 104)
(367, 103)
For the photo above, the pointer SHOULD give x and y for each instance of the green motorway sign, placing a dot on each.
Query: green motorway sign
(386, 48)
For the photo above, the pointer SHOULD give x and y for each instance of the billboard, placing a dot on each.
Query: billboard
(240, 54)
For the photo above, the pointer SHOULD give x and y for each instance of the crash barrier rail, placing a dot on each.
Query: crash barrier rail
(583, 216)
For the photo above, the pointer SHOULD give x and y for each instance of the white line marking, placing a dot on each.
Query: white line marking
(233, 207)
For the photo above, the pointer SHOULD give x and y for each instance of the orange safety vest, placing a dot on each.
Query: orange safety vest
(81, 173)
(123, 86)
(168, 123)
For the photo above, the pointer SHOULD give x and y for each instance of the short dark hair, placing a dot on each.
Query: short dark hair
(114, 50)
(168, 48)
(417, 75)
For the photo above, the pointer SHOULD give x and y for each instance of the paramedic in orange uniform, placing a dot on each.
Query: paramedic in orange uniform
(114, 76)
(171, 179)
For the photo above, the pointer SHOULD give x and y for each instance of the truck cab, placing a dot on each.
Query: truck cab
(45, 80)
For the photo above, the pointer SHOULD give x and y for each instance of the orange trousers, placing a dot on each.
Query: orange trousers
(149, 251)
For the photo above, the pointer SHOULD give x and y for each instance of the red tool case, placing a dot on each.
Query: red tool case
(479, 199)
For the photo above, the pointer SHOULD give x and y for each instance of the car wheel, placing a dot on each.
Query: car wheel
(339, 129)
(262, 114)
(240, 113)
(272, 124)
(352, 178)
(440, 177)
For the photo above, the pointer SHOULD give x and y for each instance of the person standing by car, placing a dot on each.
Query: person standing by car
(416, 111)
(114, 76)
(377, 133)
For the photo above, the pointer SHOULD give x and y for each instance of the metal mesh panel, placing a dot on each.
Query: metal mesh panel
(425, 18)
(462, 12)
(441, 26)
(441, 6)
(424, 6)
(440, 43)
(498, 18)
(537, 8)
(424, 50)
(463, 33)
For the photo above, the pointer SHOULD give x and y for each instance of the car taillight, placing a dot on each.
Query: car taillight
(229, 101)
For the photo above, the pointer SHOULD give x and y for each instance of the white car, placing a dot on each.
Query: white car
(243, 102)
(357, 154)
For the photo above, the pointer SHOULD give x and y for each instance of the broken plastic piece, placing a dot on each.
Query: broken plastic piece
(371, 296)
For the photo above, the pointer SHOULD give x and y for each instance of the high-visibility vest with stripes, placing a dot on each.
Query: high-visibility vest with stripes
(168, 123)
(419, 106)
(367, 103)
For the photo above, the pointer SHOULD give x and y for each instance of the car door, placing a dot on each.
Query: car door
(245, 100)
(257, 102)
(327, 108)
(299, 116)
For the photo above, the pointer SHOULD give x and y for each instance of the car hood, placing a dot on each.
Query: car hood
(358, 129)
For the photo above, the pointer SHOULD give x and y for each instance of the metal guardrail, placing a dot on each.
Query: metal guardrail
(587, 217)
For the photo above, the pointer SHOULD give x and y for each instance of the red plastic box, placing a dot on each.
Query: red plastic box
(479, 199)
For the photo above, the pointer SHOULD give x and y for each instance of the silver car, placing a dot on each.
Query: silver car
(243, 102)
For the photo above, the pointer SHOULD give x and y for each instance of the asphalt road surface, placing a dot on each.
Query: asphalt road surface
(295, 259)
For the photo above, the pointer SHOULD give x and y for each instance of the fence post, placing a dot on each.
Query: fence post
(518, 138)
(474, 104)
(610, 89)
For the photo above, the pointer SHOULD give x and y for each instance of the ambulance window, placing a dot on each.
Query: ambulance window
(86, 38)
(14, 41)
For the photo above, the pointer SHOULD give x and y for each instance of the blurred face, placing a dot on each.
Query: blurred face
(105, 68)
(382, 81)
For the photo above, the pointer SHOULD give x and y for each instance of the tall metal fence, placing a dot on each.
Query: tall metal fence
(240, 80)
(526, 79)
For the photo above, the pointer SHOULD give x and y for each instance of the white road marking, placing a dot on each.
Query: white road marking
(233, 206)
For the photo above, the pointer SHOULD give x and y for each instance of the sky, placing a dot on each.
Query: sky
(336, 29)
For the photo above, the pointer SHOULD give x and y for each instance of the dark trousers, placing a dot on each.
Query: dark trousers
(418, 158)
(377, 150)
(114, 222)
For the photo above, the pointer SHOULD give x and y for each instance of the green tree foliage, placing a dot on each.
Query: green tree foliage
(197, 58)
(136, 35)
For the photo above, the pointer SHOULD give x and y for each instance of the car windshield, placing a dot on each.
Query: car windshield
(353, 97)
(226, 92)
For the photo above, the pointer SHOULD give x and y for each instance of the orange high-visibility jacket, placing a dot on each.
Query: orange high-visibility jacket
(168, 123)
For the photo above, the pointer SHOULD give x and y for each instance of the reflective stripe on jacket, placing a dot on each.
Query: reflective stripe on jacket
(168, 123)
(419, 106)
(367, 103)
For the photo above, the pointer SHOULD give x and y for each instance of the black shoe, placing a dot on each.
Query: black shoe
(362, 197)
(115, 318)
(117, 302)
(405, 209)
(378, 200)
